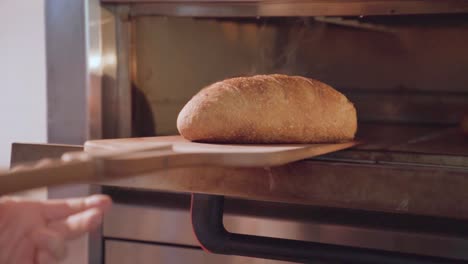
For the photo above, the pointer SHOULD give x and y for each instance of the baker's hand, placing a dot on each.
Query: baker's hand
(35, 232)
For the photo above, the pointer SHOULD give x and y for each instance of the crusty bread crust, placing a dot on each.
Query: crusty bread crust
(268, 109)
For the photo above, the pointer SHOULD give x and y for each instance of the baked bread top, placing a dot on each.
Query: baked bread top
(268, 109)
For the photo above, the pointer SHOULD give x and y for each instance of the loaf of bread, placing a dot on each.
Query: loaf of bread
(268, 109)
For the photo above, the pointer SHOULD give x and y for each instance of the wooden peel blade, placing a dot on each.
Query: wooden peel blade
(113, 161)
(147, 162)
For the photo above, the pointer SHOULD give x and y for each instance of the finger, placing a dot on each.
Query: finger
(43, 257)
(50, 242)
(78, 224)
(59, 209)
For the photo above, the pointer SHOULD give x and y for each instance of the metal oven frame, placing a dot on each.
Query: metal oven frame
(89, 65)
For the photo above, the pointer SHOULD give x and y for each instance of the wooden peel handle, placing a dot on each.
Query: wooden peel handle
(41, 174)
(73, 167)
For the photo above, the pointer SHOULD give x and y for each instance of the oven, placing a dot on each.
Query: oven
(125, 68)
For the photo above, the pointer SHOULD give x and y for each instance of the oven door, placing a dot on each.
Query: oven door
(160, 222)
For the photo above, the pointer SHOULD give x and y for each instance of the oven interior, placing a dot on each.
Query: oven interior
(406, 74)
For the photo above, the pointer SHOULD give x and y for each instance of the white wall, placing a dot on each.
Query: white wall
(22, 74)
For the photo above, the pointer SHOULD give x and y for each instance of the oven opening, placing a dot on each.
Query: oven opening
(406, 75)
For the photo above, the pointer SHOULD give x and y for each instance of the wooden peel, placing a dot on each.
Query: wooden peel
(110, 159)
